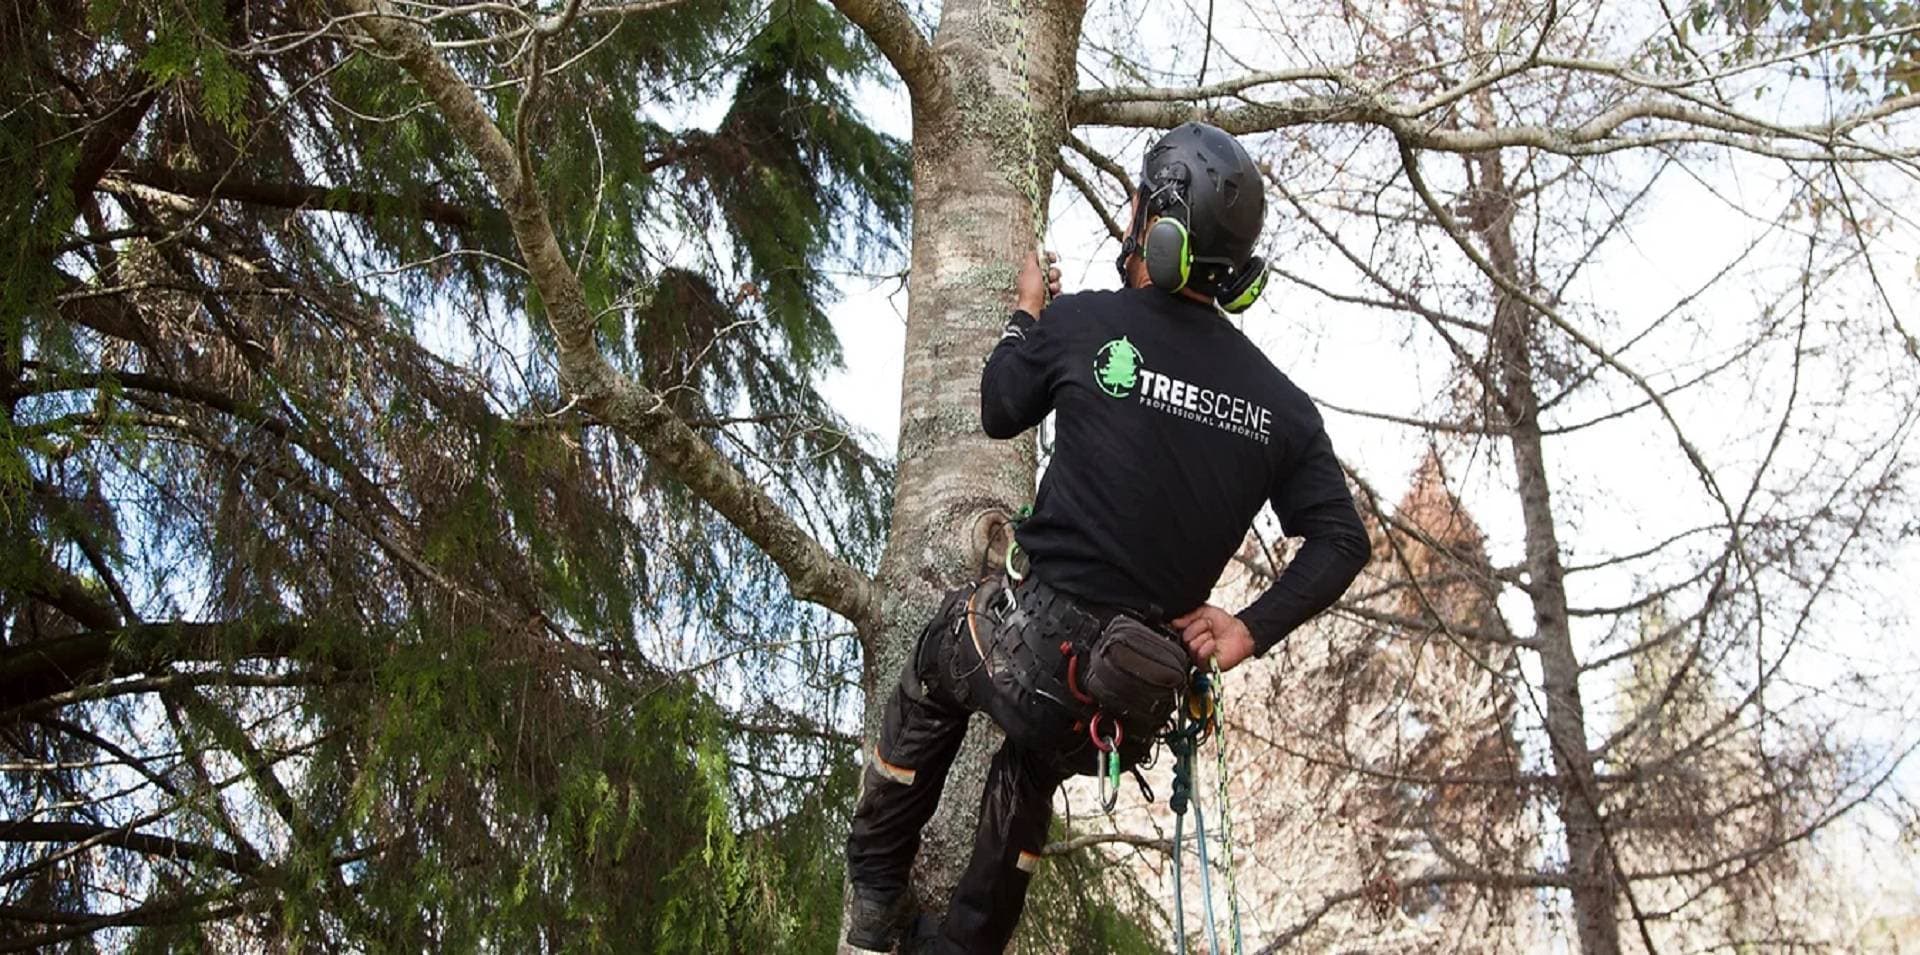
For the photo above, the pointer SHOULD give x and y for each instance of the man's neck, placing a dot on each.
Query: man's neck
(1138, 279)
(1136, 274)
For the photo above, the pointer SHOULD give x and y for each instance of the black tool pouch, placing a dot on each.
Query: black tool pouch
(1021, 684)
(1135, 673)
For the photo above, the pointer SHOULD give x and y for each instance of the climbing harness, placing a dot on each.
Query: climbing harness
(1199, 721)
(1199, 710)
(1093, 681)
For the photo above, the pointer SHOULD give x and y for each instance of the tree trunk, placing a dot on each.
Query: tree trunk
(1589, 862)
(972, 219)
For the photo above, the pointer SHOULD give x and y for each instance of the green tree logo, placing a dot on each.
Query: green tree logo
(1116, 367)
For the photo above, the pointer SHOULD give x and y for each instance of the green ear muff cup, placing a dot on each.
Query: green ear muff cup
(1247, 289)
(1169, 261)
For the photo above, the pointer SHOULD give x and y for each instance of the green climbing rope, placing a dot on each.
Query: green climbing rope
(1029, 179)
(1226, 814)
(1013, 543)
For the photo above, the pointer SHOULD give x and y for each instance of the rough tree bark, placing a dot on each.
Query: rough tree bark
(972, 219)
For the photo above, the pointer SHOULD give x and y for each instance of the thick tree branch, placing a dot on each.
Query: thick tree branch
(300, 195)
(109, 137)
(33, 831)
(32, 671)
(629, 408)
(1232, 87)
(53, 586)
(1161, 112)
(892, 30)
(193, 910)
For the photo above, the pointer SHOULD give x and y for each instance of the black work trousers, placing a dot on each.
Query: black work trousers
(944, 681)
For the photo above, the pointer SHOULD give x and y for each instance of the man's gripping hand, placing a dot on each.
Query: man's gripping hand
(1211, 633)
(1035, 286)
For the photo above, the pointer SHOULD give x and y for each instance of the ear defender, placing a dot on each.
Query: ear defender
(1169, 258)
(1245, 289)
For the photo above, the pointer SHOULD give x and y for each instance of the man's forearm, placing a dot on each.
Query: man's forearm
(1312, 581)
(1007, 383)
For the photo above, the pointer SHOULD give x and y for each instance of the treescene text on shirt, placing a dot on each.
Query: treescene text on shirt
(1228, 412)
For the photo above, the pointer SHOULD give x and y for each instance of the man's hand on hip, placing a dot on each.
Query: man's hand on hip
(1211, 632)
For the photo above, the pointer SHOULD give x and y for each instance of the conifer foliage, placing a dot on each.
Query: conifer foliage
(327, 619)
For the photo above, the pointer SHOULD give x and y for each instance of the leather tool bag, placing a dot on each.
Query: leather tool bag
(1136, 673)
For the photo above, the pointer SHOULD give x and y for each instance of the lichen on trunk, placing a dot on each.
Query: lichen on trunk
(971, 222)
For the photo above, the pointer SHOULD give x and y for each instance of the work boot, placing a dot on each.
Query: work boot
(877, 919)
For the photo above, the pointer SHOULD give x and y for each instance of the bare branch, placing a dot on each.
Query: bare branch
(1688, 120)
(1077, 843)
(1092, 196)
(1147, 94)
(183, 911)
(1102, 162)
(124, 838)
(31, 671)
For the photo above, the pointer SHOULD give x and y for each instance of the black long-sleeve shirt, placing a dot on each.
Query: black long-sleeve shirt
(1173, 429)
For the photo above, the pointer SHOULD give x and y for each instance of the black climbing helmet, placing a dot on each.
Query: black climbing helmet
(1201, 206)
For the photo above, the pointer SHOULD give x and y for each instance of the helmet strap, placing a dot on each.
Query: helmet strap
(1130, 243)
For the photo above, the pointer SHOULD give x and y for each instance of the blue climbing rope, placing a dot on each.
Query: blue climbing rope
(1206, 875)
(1198, 721)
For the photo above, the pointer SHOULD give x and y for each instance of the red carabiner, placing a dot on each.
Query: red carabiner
(1073, 676)
(1106, 745)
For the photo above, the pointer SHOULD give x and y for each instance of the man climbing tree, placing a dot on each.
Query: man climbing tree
(1173, 430)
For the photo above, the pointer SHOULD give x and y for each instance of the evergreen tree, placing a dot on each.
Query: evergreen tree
(330, 618)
